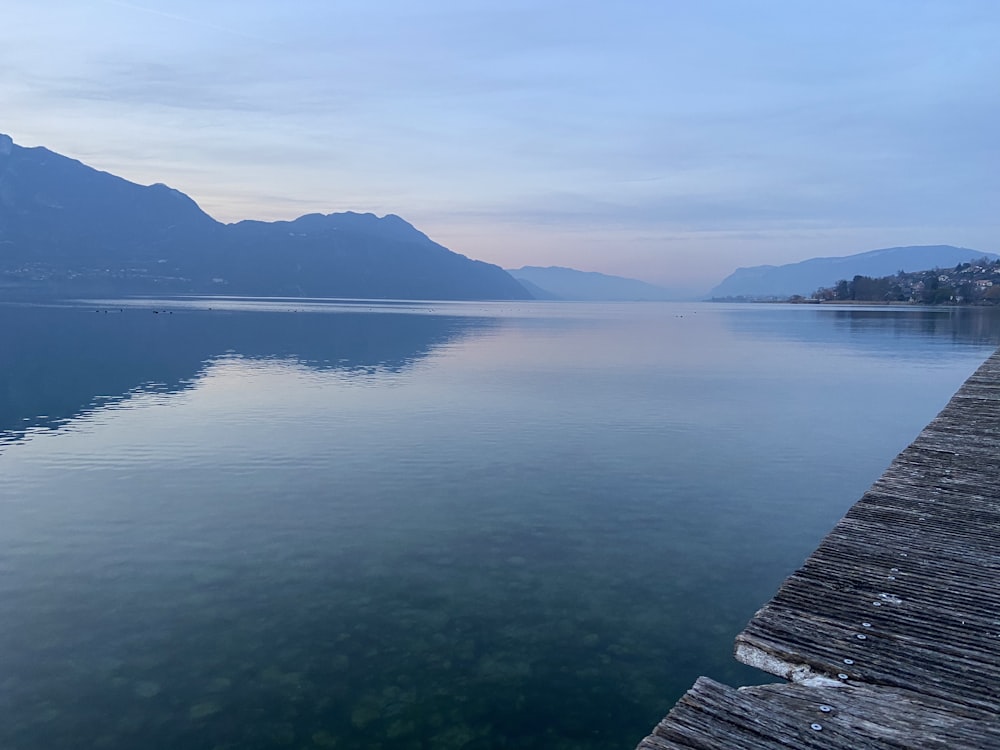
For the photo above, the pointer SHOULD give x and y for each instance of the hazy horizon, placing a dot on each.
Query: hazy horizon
(665, 143)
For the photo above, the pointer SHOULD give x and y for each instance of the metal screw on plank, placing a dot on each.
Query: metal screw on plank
(876, 604)
(817, 727)
(826, 709)
(842, 676)
(861, 636)
(848, 661)
(866, 624)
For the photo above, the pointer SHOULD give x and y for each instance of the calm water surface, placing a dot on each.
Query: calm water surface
(246, 524)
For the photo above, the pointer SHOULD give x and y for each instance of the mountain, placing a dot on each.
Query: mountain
(556, 282)
(807, 276)
(67, 229)
(536, 291)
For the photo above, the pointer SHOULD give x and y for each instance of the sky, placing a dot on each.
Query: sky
(658, 139)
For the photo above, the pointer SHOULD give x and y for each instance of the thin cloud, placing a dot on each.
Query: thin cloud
(186, 20)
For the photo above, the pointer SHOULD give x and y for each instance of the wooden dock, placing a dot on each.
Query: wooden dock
(890, 632)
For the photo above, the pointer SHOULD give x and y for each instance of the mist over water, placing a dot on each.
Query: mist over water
(301, 524)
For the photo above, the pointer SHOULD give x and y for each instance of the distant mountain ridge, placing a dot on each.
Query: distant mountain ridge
(67, 229)
(559, 283)
(805, 277)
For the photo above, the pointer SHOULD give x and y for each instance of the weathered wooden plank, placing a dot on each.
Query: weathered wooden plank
(890, 631)
(712, 716)
(905, 587)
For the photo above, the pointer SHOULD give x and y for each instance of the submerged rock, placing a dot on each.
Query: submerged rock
(324, 739)
(201, 710)
(147, 689)
(365, 712)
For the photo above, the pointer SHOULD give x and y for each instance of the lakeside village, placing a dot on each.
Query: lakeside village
(975, 283)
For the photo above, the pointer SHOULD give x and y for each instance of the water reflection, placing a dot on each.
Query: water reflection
(916, 332)
(61, 361)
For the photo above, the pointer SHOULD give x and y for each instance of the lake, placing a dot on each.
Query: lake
(231, 523)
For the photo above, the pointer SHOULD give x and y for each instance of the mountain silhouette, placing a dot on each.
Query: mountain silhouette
(556, 282)
(67, 229)
(807, 276)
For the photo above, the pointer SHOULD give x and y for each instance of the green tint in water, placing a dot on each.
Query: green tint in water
(413, 526)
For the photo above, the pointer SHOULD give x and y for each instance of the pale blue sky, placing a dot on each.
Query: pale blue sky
(669, 141)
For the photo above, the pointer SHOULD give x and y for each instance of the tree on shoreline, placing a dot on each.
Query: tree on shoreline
(967, 283)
